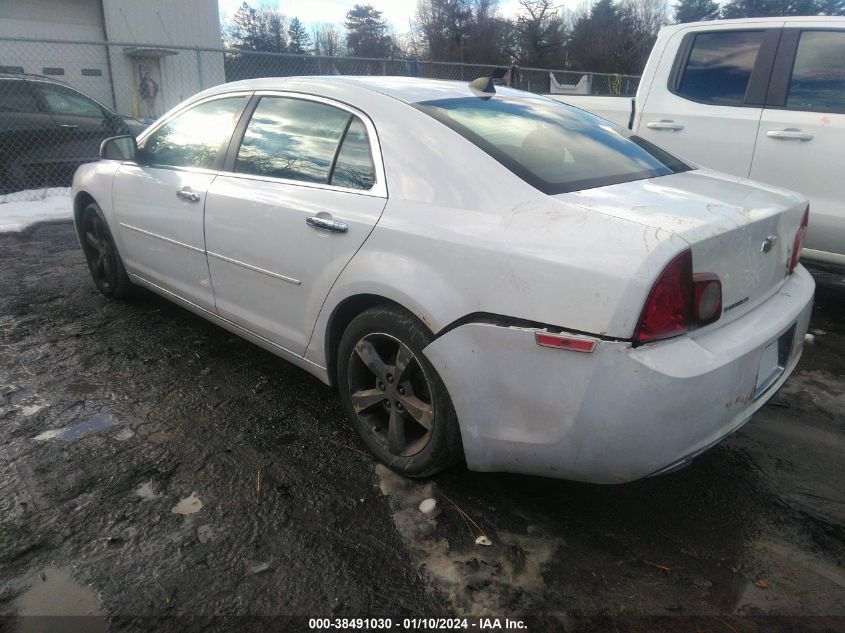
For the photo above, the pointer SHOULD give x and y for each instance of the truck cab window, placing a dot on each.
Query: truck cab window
(818, 78)
(719, 67)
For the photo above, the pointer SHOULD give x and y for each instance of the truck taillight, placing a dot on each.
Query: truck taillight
(798, 244)
(678, 301)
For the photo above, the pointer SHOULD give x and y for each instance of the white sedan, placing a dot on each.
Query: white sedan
(482, 273)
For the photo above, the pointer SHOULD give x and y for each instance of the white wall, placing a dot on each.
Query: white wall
(57, 19)
(60, 19)
(164, 23)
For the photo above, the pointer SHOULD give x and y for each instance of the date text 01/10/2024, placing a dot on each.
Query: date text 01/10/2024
(417, 624)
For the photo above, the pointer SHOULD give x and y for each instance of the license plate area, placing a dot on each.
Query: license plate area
(773, 361)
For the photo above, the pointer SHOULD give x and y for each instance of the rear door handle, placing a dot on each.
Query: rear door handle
(187, 195)
(68, 126)
(790, 134)
(665, 124)
(335, 226)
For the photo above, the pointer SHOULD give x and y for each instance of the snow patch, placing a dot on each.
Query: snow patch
(40, 205)
(474, 579)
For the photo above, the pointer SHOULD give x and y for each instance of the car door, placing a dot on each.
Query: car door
(716, 88)
(305, 190)
(81, 123)
(802, 132)
(26, 133)
(159, 200)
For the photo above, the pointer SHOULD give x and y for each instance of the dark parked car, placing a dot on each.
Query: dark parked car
(48, 129)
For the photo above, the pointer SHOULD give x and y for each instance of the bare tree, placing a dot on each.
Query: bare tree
(643, 20)
(261, 29)
(327, 40)
(541, 34)
(444, 25)
(460, 30)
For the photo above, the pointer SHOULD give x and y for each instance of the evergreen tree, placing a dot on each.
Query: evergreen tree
(246, 30)
(696, 10)
(298, 40)
(598, 38)
(832, 7)
(366, 32)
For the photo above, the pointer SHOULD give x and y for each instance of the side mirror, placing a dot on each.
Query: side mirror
(119, 148)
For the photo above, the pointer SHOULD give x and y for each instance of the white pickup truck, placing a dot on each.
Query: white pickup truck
(758, 98)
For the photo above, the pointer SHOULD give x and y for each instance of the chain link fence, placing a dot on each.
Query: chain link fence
(59, 98)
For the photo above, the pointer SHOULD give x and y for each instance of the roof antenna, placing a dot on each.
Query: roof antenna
(483, 87)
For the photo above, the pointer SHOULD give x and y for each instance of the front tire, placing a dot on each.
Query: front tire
(392, 394)
(101, 254)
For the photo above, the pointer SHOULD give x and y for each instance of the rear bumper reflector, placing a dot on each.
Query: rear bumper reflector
(564, 341)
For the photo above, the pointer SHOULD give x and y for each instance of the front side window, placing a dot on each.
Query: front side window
(551, 146)
(294, 139)
(818, 76)
(195, 137)
(63, 101)
(719, 67)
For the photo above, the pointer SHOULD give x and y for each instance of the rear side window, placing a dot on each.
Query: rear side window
(818, 76)
(15, 96)
(293, 139)
(552, 146)
(195, 137)
(719, 67)
(354, 166)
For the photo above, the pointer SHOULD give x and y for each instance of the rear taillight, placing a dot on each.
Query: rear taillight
(798, 244)
(679, 301)
(707, 299)
(669, 306)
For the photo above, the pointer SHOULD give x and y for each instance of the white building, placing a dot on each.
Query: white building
(117, 45)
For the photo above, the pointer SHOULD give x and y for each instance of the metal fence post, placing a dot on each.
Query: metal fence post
(199, 69)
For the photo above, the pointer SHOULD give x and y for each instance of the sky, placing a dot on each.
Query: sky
(397, 12)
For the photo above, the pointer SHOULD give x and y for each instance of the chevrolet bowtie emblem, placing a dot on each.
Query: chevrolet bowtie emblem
(768, 243)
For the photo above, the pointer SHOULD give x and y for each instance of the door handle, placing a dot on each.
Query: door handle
(335, 226)
(790, 134)
(187, 195)
(665, 124)
(68, 126)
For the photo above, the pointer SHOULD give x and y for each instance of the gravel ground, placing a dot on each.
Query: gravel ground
(153, 465)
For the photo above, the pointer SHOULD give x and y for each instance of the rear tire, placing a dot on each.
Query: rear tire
(395, 399)
(104, 261)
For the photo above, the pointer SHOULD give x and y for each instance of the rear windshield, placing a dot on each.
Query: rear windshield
(551, 146)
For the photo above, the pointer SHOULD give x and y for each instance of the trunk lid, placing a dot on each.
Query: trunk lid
(739, 230)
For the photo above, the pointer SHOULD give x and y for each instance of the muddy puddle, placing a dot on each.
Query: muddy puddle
(99, 422)
(188, 505)
(55, 603)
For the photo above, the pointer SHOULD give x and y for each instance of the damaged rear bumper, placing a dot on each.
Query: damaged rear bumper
(619, 413)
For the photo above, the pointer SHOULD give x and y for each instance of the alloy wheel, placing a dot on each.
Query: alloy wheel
(391, 393)
(100, 253)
